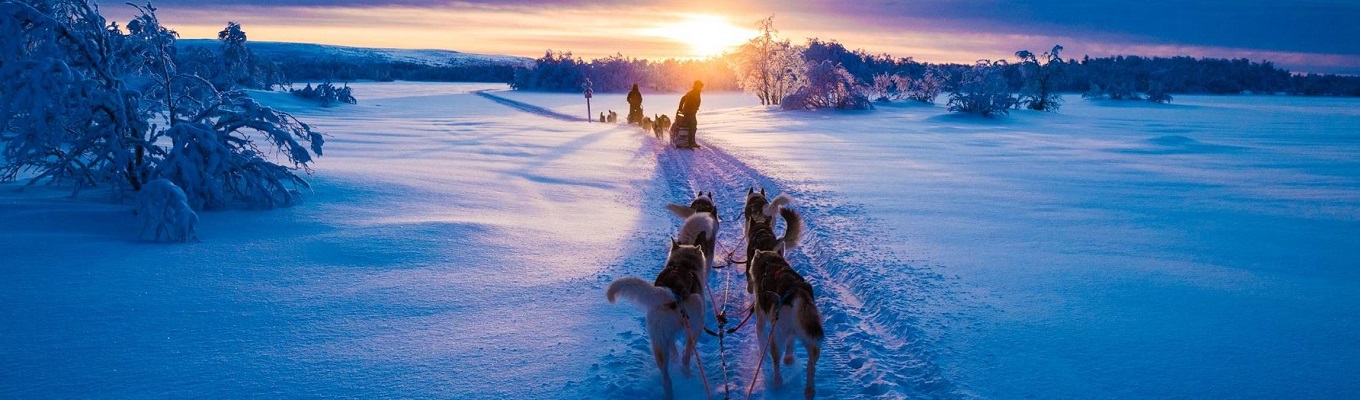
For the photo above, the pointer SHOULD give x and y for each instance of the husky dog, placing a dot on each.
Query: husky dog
(759, 226)
(646, 124)
(656, 126)
(702, 204)
(785, 310)
(613, 117)
(665, 122)
(674, 304)
(602, 117)
(165, 207)
(700, 230)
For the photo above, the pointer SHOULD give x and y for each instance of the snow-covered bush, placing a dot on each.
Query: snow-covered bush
(889, 87)
(327, 94)
(1122, 90)
(928, 87)
(982, 90)
(1095, 93)
(1157, 93)
(1040, 73)
(829, 85)
(164, 208)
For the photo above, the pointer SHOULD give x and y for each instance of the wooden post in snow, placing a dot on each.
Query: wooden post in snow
(590, 117)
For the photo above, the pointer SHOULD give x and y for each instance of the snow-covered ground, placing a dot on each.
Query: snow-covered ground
(457, 245)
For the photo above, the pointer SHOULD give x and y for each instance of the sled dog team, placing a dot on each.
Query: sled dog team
(657, 126)
(675, 302)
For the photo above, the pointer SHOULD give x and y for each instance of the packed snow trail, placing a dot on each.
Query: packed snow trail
(871, 303)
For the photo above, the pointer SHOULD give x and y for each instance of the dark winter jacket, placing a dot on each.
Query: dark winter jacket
(689, 105)
(634, 98)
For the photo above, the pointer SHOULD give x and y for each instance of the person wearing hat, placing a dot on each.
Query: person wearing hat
(689, 106)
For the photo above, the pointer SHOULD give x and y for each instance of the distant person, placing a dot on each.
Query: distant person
(689, 107)
(634, 105)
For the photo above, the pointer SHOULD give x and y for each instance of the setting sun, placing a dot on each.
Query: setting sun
(706, 35)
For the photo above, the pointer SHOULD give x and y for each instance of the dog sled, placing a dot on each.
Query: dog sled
(682, 137)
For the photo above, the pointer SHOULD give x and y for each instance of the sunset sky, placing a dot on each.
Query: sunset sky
(1306, 35)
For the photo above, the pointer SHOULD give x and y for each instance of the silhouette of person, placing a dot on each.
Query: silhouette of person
(634, 105)
(689, 106)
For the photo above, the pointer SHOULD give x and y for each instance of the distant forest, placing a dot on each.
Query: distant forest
(562, 71)
(558, 71)
(314, 67)
(340, 69)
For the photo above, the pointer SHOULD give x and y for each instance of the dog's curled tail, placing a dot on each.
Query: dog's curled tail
(680, 211)
(794, 232)
(695, 225)
(777, 204)
(638, 291)
(807, 317)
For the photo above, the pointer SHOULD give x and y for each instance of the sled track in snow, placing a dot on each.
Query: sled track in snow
(526, 107)
(879, 337)
(877, 343)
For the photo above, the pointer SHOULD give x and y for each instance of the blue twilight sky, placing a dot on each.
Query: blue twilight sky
(1307, 35)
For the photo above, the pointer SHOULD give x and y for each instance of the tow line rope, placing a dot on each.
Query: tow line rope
(721, 317)
(697, 359)
(769, 339)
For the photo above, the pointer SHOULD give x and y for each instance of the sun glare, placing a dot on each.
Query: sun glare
(706, 35)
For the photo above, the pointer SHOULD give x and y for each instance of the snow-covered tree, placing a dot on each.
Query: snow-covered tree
(768, 67)
(1040, 73)
(239, 67)
(213, 155)
(829, 85)
(982, 90)
(81, 98)
(65, 113)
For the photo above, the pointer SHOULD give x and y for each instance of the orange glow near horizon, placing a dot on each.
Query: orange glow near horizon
(644, 32)
(706, 35)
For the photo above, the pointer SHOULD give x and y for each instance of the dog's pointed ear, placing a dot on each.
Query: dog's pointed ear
(674, 244)
(701, 194)
(780, 248)
(750, 190)
(762, 191)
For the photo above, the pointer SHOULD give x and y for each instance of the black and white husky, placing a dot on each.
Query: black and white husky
(759, 226)
(702, 204)
(785, 310)
(674, 303)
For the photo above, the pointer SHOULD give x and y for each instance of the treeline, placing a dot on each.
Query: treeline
(1185, 75)
(350, 69)
(560, 71)
(563, 72)
(279, 68)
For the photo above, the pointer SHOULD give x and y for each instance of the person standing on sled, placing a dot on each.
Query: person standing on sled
(634, 105)
(685, 115)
